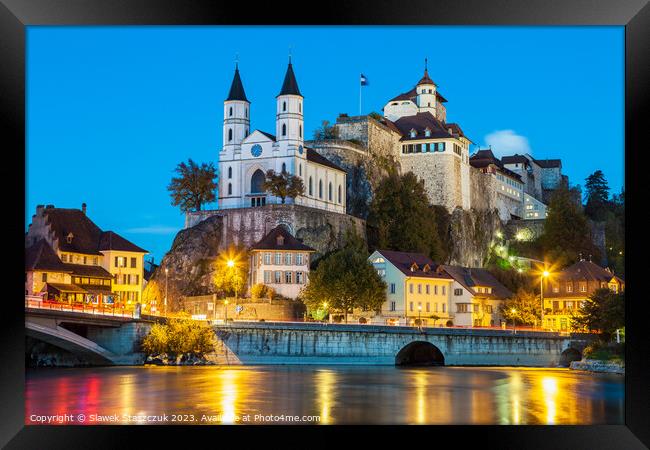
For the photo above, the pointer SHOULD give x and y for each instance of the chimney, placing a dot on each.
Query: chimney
(40, 209)
(83, 208)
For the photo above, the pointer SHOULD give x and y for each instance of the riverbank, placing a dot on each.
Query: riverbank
(598, 366)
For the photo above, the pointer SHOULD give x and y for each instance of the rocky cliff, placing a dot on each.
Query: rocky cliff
(470, 234)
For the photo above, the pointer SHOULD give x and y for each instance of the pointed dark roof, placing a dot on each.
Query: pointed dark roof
(85, 234)
(40, 256)
(470, 278)
(110, 240)
(237, 88)
(280, 239)
(585, 270)
(420, 122)
(315, 157)
(290, 85)
(425, 79)
(403, 261)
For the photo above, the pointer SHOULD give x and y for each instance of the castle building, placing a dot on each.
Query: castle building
(246, 156)
(69, 258)
(281, 262)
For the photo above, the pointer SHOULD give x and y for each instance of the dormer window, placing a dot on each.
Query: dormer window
(413, 133)
(279, 240)
(69, 238)
(427, 131)
(414, 267)
(426, 268)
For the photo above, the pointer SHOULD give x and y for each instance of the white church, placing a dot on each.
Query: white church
(246, 156)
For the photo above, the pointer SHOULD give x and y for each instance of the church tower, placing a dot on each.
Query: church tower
(289, 123)
(426, 93)
(236, 115)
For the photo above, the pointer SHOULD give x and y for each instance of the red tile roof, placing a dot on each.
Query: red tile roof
(280, 239)
(471, 278)
(403, 261)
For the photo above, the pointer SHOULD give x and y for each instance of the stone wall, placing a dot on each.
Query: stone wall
(441, 173)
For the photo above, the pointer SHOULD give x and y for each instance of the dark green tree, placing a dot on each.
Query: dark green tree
(325, 131)
(401, 218)
(345, 280)
(283, 185)
(596, 196)
(615, 234)
(194, 186)
(566, 231)
(603, 311)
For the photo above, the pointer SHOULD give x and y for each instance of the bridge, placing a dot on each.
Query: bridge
(310, 343)
(96, 338)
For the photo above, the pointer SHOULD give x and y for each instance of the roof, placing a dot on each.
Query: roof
(586, 271)
(237, 88)
(513, 159)
(110, 240)
(280, 239)
(549, 163)
(470, 278)
(40, 256)
(410, 95)
(420, 122)
(317, 158)
(290, 85)
(425, 79)
(85, 270)
(85, 234)
(62, 287)
(268, 135)
(484, 158)
(404, 261)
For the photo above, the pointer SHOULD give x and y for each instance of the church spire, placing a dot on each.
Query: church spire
(290, 85)
(237, 88)
(426, 79)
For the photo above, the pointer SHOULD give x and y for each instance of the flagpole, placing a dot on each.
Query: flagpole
(360, 86)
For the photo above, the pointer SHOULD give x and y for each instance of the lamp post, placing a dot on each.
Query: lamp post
(225, 311)
(325, 308)
(420, 317)
(513, 311)
(541, 294)
(166, 285)
(231, 265)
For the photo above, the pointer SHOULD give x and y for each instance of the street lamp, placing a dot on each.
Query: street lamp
(225, 320)
(231, 265)
(166, 286)
(513, 311)
(545, 274)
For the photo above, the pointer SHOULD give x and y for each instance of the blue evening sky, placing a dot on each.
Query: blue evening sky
(112, 110)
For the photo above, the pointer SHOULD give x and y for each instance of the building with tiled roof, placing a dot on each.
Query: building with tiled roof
(246, 157)
(68, 258)
(566, 291)
(281, 262)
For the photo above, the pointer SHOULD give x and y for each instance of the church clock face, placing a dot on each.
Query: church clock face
(300, 149)
(256, 150)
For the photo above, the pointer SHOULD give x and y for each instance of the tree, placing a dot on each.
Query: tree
(615, 233)
(231, 269)
(283, 185)
(524, 307)
(345, 280)
(603, 311)
(194, 186)
(326, 131)
(179, 335)
(401, 218)
(596, 196)
(566, 230)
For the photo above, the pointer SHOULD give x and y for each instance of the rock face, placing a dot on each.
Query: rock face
(471, 234)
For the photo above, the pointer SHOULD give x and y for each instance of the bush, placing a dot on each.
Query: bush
(179, 336)
(605, 351)
(363, 320)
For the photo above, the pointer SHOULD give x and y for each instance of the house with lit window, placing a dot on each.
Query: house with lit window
(281, 262)
(475, 297)
(416, 288)
(565, 291)
(70, 259)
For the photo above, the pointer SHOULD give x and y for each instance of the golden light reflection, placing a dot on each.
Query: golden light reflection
(325, 385)
(228, 380)
(420, 396)
(515, 392)
(549, 386)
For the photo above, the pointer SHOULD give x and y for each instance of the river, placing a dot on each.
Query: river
(322, 395)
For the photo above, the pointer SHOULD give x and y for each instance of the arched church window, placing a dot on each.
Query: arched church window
(229, 134)
(311, 190)
(339, 193)
(284, 167)
(320, 188)
(284, 106)
(229, 188)
(229, 172)
(230, 111)
(329, 192)
(300, 130)
(300, 169)
(257, 180)
(246, 112)
(284, 129)
(300, 107)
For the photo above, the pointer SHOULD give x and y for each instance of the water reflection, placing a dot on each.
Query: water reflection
(373, 395)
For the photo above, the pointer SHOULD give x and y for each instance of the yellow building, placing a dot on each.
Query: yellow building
(70, 259)
(566, 291)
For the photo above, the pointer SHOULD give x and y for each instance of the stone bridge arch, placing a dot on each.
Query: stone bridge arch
(569, 355)
(419, 353)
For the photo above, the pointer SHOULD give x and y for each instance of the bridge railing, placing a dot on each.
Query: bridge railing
(38, 303)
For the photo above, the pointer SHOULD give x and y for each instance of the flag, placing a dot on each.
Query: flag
(364, 80)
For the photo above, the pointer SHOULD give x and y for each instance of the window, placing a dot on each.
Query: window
(267, 258)
(569, 287)
(392, 306)
(441, 147)
(427, 289)
(299, 259)
(229, 134)
(458, 292)
(444, 291)
(583, 286)
(246, 114)
(288, 277)
(300, 278)
(229, 172)
(300, 169)
(428, 307)
(311, 190)
(444, 307)
(300, 131)
(229, 188)
(329, 192)
(462, 307)
(475, 305)
(435, 307)
(278, 277)
(392, 288)
(84, 260)
(278, 259)
(95, 261)
(339, 193)
(411, 288)
(284, 129)
(488, 309)
(120, 261)
(410, 306)
(320, 188)
(284, 106)
(299, 106)
(413, 133)
(230, 111)
(44, 279)
(435, 290)
(64, 257)
(419, 288)
(287, 259)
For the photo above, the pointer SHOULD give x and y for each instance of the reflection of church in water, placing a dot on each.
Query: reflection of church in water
(246, 156)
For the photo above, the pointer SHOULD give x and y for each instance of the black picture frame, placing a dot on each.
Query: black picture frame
(634, 15)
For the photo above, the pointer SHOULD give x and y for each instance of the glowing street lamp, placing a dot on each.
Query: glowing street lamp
(545, 274)
(166, 285)
(230, 263)
(513, 311)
